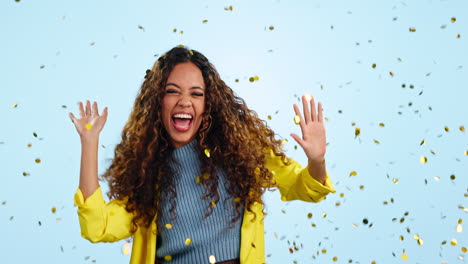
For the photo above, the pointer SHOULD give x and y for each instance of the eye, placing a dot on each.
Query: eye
(197, 94)
(171, 91)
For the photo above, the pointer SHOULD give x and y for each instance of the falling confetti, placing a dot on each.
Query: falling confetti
(453, 19)
(141, 27)
(458, 35)
(15, 105)
(462, 128)
(207, 153)
(412, 29)
(453, 242)
(404, 256)
(205, 21)
(423, 160)
(228, 8)
(374, 66)
(357, 131)
(168, 226)
(126, 248)
(353, 173)
(382, 125)
(297, 119)
(447, 129)
(422, 142)
(37, 160)
(271, 27)
(168, 258)
(26, 174)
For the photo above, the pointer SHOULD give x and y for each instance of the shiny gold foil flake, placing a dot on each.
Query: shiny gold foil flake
(174, 30)
(15, 105)
(452, 177)
(190, 51)
(357, 131)
(126, 248)
(206, 175)
(437, 178)
(459, 228)
(271, 27)
(341, 195)
(251, 79)
(464, 250)
(374, 65)
(423, 142)
(168, 258)
(353, 173)
(188, 241)
(29, 145)
(462, 128)
(447, 129)
(376, 141)
(324, 250)
(458, 35)
(361, 187)
(197, 179)
(26, 174)
(391, 74)
(88, 126)
(34, 134)
(168, 226)
(53, 209)
(402, 238)
(466, 152)
(37, 160)
(205, 21)
(395, 180)
(229, 8)
(453, 242)
(420, 241)
(141, 27)
(207, 152)
(412, 30)
(324, 215)
(212, 259)
(404, 256)
(213, 204)
(381, 125)
(237, 199)
(423, 160)
(309, 215)
(256, 78)
(453, 19)
(269, 117)
(297, 119)
(335, 259)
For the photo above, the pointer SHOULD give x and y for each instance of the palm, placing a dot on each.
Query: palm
(90, 122)
(313, 140)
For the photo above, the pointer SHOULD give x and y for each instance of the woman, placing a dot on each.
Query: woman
(187, 177)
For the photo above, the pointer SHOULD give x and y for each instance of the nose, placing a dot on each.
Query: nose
(184, 101)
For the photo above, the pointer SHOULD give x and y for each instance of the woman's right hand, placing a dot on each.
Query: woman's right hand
(90, 123)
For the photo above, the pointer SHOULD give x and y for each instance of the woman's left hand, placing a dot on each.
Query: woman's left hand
(313, 139)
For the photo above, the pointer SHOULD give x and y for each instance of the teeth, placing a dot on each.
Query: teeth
(184, 116)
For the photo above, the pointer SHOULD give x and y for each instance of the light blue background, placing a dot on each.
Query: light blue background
(325, 48)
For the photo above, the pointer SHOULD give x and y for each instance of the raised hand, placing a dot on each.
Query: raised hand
(90, 123)
(313, 140)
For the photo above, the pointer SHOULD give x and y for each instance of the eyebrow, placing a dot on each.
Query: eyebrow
(193, 87)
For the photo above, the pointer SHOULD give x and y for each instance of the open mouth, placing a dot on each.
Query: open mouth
(182, 122)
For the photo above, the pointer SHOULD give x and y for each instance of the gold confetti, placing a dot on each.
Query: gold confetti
(212, 259)
(207, 152)
(446, 128)
(382, 125)
(271, 28)
(197, 179)
(353, 173)
(168, 226)
(309, 215)
(141, 27)
(213, 204)
(15, 105)
(126, 248)
(420, 241)
(297, 119)
(402, 238)
(374, 65)
(206, 175)
(256, 78)
(237, 199)
(462, 128)
(324, 215)
(335, 259)
(37, 160)
(357, 131)
(324, 250)
(269, 117)
(459, 228)
(404, 256)
(228, 8)
(34, 134)
(25, 174)
(412, 30)
(395, 180)
(174, 30)
(452, 177)
(464, 250)
(376, 141)
(391, 74)
(423, 160)
(88, 126)
(423, 142)
(458, 35)
(29, 145)
(54, 210)
(453, 242)
(188, 241)
(453, 19)
(466, 152)
(168, 258)
(205, 21)
(361, 187)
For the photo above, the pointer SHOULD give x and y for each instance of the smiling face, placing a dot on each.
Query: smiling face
(183, 103)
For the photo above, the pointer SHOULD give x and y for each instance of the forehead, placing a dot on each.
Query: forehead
(186, 74)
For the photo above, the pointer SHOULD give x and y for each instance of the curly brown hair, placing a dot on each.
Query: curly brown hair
(235, 136)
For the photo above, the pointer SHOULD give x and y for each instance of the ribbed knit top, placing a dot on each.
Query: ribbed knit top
(191, 238)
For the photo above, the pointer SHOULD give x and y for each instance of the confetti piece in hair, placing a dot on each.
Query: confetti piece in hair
(168, 258)
(297, 119)
(404, 256)
(423, 160)
(237, 199)
(353, 173)
(212, 259)
(126, 248)
(197, 179)
(462, 128)
(190, 51)
(37, 160)
(213, 204)
(207, 152)
(168, 226)
(180, 46)
(54, 210)
(88, 126)
(453, 242)
(357, 131)
(188, 241)
(206, 175)
(412, 30)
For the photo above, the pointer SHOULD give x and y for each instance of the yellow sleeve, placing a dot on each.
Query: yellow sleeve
(101, 221)
(295, 182)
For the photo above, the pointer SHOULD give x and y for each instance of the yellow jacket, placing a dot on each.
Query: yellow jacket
(109, 222)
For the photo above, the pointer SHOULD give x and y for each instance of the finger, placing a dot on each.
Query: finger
(314, 111)
(95, 109)
(306, 110)
(301, 120)
(88, 108)
(297, 139)
(105, 112)
(320, 113)
(80, 107)
(72, 117)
